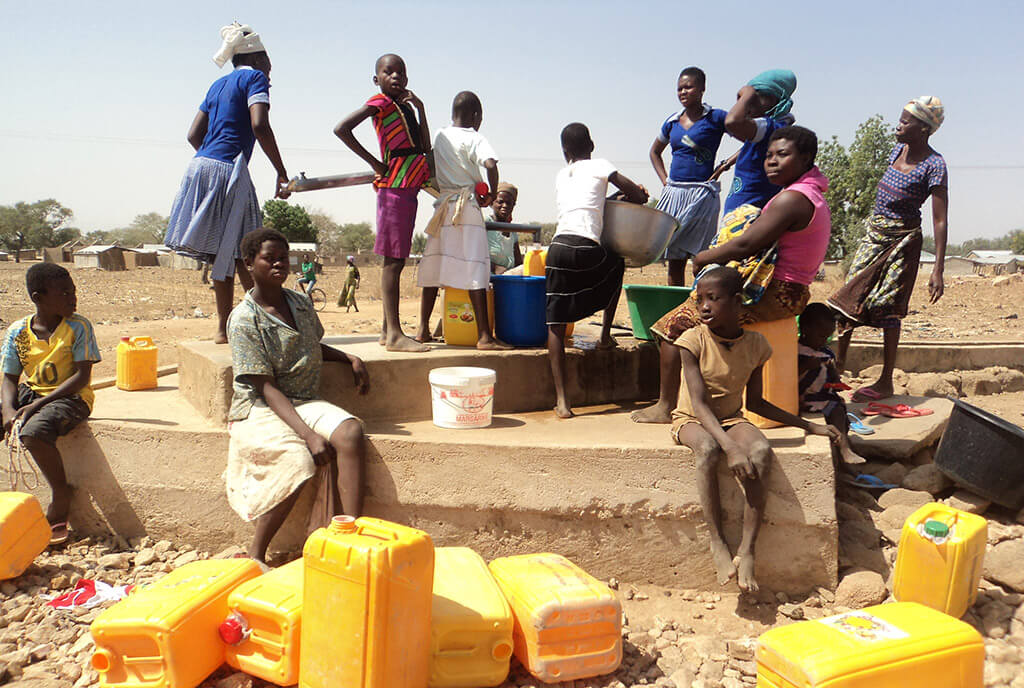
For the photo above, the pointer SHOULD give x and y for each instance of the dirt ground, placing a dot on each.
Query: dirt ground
(173, 305)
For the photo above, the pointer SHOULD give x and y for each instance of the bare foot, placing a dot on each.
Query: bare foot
(60, 504)
(659, 413)
(874, 392)
(408, 345)
(563, 410)
(609, 343)
(724, 566)
(492, 344)
(851, 457)
(745, 572)
(220, 337)
(423, 336)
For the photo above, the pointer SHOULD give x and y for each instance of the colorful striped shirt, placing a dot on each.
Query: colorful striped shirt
(400, 149)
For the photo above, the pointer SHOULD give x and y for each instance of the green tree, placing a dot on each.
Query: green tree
(1017, 242)
(146, 228)
(291, 220)
(33, 225)
(357, 236)
(853, 176)
(419, 242)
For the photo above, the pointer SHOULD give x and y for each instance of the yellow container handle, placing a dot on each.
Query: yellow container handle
(142, 341)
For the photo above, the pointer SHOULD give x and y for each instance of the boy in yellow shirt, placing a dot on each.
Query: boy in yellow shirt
(55, 349)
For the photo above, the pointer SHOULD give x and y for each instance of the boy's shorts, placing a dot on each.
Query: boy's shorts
(59, 417)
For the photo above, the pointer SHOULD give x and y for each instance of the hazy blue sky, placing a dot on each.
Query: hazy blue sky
(99, 95)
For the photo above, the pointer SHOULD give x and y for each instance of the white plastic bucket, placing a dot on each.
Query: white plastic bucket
(462, 397)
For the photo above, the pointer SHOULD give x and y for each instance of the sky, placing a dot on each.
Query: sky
(99, 95)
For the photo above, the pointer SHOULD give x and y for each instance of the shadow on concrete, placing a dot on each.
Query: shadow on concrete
(506, 422)
(147, 421)
(99, 502)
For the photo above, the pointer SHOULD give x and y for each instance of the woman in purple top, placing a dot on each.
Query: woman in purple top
(884, 269)
(216, 205)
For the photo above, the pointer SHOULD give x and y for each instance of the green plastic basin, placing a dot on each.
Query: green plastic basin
(648, 302)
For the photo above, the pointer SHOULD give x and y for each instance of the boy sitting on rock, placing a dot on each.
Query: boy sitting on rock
(55, 349)
(280, 429)
(720, 360)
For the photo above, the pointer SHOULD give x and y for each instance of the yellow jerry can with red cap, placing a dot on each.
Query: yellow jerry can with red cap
(900, 645)
(261, 632)
(165, 635)
(940, 558)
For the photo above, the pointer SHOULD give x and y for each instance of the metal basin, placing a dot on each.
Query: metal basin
(637, 233)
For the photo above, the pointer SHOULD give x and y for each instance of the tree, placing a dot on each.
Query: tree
(357, 236)
(853, 176)
(33, 225)
(146, 228)
(419, 242)
(1017, 242)
(291, 220)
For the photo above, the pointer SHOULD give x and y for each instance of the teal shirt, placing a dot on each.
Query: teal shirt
(262, 344)
(309, 271)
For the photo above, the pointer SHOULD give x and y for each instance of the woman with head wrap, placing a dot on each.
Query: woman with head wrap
(762, 107)
(347, 298)
(503, 246)
(216, 205)
(881, 277)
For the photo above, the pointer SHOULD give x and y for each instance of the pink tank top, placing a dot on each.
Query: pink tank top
(801, 253)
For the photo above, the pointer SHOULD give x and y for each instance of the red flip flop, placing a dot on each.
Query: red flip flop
(898, 411)
(867, 393)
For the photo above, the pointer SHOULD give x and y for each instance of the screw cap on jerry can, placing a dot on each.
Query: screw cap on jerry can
(936, 529)
(343, 524)
(234, 629)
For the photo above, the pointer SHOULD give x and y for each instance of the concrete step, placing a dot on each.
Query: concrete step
(617, 497)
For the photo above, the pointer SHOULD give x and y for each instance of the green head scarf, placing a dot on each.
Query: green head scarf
(779, 83)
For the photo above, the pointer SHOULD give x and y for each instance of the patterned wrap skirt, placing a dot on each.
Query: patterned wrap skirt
(582, 278)
(881, 278)
(215, 207)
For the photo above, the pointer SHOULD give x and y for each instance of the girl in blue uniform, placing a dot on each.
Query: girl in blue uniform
(691, 185)
(216, 205)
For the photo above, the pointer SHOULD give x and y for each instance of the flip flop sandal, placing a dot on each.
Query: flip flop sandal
(857, 425)
(868, 393)
(59, 533)
(838, 386)
(866, 481)
(897, 411)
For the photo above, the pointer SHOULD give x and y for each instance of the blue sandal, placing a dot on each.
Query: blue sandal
(867, 481)
(857, 425)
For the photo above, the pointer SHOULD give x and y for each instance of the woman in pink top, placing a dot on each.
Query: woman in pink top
(797, 218)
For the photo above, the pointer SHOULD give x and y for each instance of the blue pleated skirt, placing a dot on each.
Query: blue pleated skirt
(695, 205)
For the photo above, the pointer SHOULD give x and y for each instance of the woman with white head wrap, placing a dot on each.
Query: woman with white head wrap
(216, 205)
(881, 278)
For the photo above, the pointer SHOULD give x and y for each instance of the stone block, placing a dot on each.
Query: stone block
(898, 439)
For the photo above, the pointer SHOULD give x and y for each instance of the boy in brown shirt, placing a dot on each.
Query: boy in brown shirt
(720, 360)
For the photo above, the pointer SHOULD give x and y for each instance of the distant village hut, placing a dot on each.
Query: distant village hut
(140, 258)
(958, 266)
(299, 249)
(993, 262)
(102, 257)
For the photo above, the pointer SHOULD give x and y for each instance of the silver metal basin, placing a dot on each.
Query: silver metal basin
(637, 233)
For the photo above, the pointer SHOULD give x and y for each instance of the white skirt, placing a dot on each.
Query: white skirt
(268, 461)
(458, 256)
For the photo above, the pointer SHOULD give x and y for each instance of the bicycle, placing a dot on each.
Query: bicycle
(316, 295)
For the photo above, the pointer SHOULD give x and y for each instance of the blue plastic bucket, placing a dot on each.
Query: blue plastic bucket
(519, 303)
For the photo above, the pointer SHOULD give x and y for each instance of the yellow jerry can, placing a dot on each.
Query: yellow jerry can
(24, 532)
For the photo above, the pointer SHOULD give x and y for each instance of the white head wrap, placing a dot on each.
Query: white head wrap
(239, 39)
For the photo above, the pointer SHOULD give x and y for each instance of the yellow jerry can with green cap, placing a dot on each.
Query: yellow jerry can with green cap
(940, 558)
(899, 645)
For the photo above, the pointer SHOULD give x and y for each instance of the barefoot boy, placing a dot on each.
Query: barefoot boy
(279, 427)
(456, 254)
(55, 349)
(402, 170)
(581, 276)
(720, 360)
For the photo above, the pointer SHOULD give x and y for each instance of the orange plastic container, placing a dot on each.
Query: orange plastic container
(568, 624)
(471, 624)
(24, 532)
(940, 558)
(780, 376)
(136, 363)
(261, 632)
(366, 606)
(165, 635)
(901, 645)
(459, 326)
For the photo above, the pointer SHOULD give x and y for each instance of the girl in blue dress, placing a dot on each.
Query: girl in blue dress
(216, 205)
(691, 193)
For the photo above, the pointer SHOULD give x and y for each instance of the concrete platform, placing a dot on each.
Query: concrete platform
(624, 374)
(617, 497)
(926, 356)
(898, 439)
